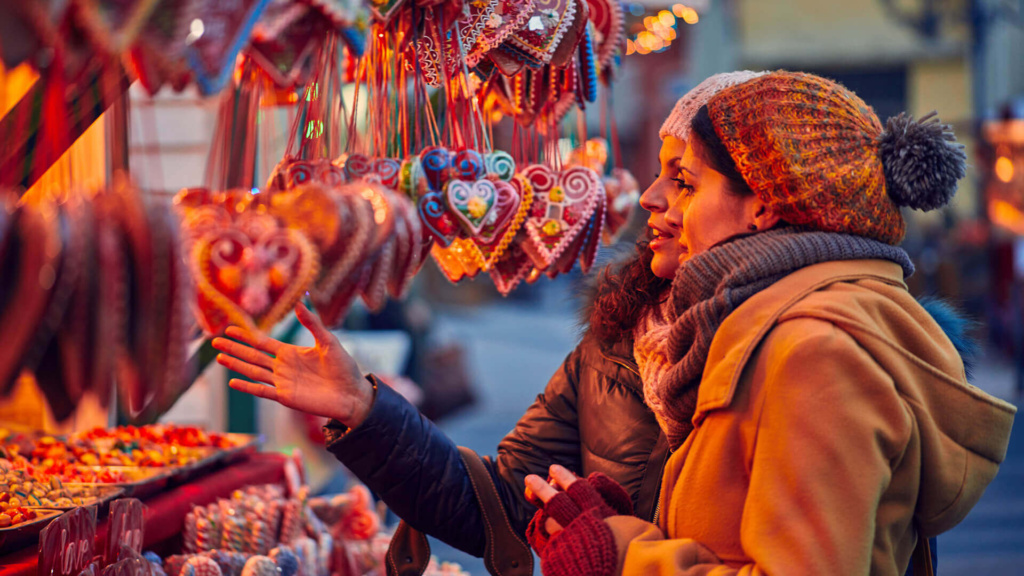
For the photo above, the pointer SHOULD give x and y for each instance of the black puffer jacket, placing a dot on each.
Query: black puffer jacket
(591, 417)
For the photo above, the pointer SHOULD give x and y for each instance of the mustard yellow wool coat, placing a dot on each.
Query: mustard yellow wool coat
(833, 415)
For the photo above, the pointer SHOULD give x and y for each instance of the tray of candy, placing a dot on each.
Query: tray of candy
(81, 495)
(240, 445)
(137, 482)
(26, 530)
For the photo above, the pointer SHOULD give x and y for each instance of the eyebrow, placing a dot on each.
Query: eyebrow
(685, 169)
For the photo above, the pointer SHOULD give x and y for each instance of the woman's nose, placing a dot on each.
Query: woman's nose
(674, 215)
(653, 199)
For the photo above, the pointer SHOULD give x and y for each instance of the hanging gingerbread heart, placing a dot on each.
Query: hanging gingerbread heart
(158, 54)
(594, 235)
(284, 42)
(341, 257)
(609, 29)
(574, 33)
(500, 164)
(495, 239)
(547, 24)
(32, 253)
(375, 292)
(468, 164)
(410, 254)
(512, 267)
(357, 166)
(436, 219)
(562, 206)
(436, 164)
(388, 170)
(226, 26)
(249, 283)
(310, 209)
(472, 203)
(460, 260)
(509, 16)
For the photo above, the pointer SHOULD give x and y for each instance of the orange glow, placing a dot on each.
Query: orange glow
(679, 10)
(630, 47)
(649, 22)
(641, 49)
(691, 17)
(1006, 215)
(1004, 169)
(666, 18)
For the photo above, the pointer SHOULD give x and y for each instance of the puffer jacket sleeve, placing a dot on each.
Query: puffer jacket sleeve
(416, 469)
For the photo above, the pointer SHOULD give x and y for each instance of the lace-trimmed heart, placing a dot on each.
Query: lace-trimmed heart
(494, 239)
(548, 22)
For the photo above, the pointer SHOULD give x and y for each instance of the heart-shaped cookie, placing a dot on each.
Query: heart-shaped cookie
(357, 166)
(409, 250)
(472, 204)
(494, 240)
(562, 206)
(388, 170)
(500, 164)
(435, 219)
(250, 283)
(513, 266)
(32, 257)
(436, 164)
(609, 29)
(509, 16)
(543, 31)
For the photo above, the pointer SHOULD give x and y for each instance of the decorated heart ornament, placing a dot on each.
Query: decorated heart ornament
(472, 203)
(513, 266)
(251, 283)
(543, 31)
(468, 164)
(226, 29)
(562, 206)
(500, 164)
(509, 16)
(436, 219)
(609, 29)
(357, 166)
(494, 239)
(435, 161)
(388, 170)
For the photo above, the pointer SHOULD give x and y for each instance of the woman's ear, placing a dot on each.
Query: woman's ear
(763, 216)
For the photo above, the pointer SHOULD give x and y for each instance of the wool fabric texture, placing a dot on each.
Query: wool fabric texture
(678, 122)
(710, 285)
(811, 149)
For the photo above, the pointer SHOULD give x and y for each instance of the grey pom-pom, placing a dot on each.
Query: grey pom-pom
(922, 161)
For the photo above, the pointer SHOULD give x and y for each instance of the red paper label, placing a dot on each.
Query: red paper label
(126, 522)
(66, 545)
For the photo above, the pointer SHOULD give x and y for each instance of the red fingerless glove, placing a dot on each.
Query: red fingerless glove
(586, 547)
(597, 493)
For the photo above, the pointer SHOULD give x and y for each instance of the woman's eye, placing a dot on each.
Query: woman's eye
(683, 185)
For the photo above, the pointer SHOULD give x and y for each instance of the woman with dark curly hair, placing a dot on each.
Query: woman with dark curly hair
(591, 417)
(820, 419)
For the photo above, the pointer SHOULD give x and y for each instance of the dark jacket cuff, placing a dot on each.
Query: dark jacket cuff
(334, 430)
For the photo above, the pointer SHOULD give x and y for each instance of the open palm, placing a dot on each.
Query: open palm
(321, 379)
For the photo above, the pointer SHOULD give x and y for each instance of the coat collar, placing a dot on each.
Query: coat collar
(742, 331)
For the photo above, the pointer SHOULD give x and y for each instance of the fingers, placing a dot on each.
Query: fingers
(258, 390)
(254, 339)
(312, 323)
(245, 369)
(250, 355)
(539, 488)
(561, 476)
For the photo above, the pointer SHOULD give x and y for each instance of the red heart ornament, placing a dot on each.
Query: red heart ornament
(509, 16)
(513, 266)
(493, 244)
(562, 206)
(251, 283)
(472, 203)
(544, 29)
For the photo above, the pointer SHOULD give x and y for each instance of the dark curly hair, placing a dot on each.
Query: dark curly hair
(625, 292)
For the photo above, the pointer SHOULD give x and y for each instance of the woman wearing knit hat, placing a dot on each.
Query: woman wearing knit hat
(820, 419)
(590, 418)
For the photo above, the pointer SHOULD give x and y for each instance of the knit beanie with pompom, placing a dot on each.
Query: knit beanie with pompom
(818, 155)
(678, 122)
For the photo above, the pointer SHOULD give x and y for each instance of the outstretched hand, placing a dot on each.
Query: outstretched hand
(322, 379)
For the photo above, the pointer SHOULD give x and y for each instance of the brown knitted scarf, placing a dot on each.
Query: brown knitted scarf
(707, 288)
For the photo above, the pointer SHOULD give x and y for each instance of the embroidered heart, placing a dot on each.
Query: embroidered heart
(471, 203)
(509, 16)
(251, 283)
(500, 164)
(547, 24)
(562, 206)
(436, 164)
(438, 221)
